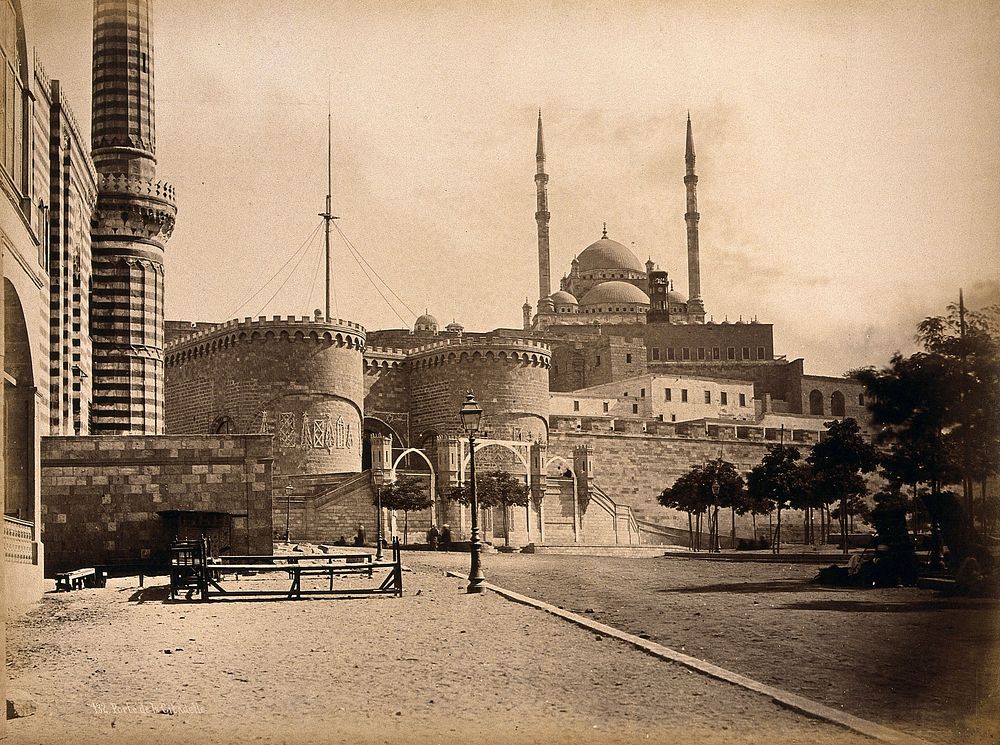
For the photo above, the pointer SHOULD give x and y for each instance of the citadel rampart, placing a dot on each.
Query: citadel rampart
(635, 461)
(299, 380)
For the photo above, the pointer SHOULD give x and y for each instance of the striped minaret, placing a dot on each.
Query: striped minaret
(542, 214)
(696, 307)
(134, 217)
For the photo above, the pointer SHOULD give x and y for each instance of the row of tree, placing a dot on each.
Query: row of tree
(829, 482)
(937, 413)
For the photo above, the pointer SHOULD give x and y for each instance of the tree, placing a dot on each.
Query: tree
(694, 494)
(939, 410)
(776, 481)
(837, 461)
(495, 489)
(407, 495)
(684, 495)
(726, 487)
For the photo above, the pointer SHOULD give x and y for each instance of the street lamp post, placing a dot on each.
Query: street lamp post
(717, 548)
(288, 511)
(378, 476)
(471, 415)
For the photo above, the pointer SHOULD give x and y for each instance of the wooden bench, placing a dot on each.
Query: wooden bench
(75, 580)
(226, 563)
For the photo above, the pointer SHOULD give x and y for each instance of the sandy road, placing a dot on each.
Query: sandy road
(436, 666)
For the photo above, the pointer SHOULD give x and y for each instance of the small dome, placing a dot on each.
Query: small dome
(454, 327)
(676, 297)
(615, 292)
(609, 255)
(562, 298)
(426, 322)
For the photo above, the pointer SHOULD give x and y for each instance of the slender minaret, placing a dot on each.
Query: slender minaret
(542, 215)
(695, 304)
(134, 218)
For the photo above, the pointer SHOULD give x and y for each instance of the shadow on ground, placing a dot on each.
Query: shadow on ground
(864, 606)
(778, 585)
(154, 594)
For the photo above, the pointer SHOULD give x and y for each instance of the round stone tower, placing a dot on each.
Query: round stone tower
(300, 380)
(509, 377)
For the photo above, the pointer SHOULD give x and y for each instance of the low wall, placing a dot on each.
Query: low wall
(116, 499)
(24, 565)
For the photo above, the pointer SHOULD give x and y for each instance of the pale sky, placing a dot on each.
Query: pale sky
(848, 153)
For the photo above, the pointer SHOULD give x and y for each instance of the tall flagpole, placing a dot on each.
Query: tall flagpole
(328, 216)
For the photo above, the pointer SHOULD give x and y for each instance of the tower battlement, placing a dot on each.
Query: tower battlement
(283, 328)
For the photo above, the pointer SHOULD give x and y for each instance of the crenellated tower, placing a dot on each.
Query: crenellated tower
(696, 307)
(134, 218)
(542, 215)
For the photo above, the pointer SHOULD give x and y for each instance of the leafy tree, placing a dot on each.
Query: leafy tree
(684, 495)
(495, 489)
(694, 493)
(776, 481)
(730, 492)
(837, 461)
(939, 410)
(408, 495)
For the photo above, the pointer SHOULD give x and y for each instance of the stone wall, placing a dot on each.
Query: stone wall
(298, 379)
(635, 468)
(110, 499)
(508, 376)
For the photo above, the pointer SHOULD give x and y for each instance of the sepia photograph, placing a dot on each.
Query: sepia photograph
(529, 372)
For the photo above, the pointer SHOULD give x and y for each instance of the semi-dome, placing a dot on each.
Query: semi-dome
(608, 255)
(562, 298)
(615, 292)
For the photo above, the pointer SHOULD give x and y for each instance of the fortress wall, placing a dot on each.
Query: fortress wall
(300, 381)
(102, 497)
(509, 379)
(635, 468)
(386, 383)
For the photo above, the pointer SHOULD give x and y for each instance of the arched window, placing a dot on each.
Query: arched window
(837, 404)
(816, 403)
(223, 425)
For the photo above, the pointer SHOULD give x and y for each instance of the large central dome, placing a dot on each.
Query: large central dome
(608, 255)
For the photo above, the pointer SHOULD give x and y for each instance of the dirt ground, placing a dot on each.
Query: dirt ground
(903, 657)
(436, 666)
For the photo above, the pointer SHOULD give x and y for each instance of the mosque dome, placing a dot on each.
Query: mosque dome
(562, 298)
(426, 322)
(615, 292)
(676, 297)
(610, 255)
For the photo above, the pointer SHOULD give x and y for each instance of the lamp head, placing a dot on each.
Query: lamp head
(378, 476)
(470, 414)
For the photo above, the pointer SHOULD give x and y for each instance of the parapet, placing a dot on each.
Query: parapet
(486, 348)
(292, 328)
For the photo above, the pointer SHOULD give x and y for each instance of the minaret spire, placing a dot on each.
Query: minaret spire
(696, 307)
(542, 214)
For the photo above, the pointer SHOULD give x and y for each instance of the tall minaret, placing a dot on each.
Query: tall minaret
(695, 305)
(542, 215)
(134, 217)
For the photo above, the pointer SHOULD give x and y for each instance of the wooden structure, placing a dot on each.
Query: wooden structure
(76, 580)
(195, 572)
